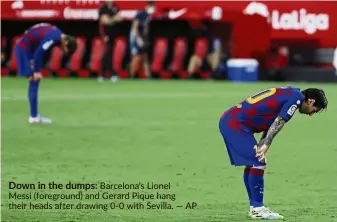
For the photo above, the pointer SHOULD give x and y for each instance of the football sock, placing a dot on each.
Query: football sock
(246, 180)
(33, 96)
(256, 185)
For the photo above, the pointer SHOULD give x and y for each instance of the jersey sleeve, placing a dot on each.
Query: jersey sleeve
(290, 106)
(44, 46)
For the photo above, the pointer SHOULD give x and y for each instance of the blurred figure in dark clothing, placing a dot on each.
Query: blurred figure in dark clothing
(3, 55)
(108, 17)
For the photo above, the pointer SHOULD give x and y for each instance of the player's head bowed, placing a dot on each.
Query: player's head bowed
(314, 101)
(69, 44)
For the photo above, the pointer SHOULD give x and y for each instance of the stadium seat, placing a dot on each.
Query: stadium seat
(75, 62)
(119, 51)
(201, 47)
(179, 55)
(97, 48)
(55, 63)
(4, 71)
(205, 74)
(44, 72)
(13, 65)
(159, 54)
(200, 50)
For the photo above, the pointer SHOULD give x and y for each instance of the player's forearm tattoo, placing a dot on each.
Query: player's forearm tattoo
(273, 130)
(262, 139)
(264, 135)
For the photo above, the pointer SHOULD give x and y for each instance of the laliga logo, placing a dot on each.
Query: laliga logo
(296, 20)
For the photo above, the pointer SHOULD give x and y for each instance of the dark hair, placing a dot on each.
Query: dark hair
(151, 3)
(72, 44)
(321, 102)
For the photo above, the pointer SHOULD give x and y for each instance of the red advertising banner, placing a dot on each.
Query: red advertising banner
(288, 20)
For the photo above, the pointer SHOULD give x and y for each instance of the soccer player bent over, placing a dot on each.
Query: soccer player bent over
(265, 112)
(29, 52)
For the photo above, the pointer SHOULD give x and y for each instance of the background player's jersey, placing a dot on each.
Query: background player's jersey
(258, 112)
(37, 40)
(144, 18)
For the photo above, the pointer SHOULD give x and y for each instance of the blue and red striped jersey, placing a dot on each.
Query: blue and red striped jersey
(37, 40)
(258, 112)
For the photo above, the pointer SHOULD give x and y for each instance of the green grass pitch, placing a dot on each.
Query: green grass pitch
(160, 131)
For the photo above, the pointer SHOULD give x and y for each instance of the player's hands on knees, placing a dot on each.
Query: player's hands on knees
(261, 152)
(37, 76)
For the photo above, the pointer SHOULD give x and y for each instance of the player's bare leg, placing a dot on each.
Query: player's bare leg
(256, 183)
(193, 65)
(134, 65)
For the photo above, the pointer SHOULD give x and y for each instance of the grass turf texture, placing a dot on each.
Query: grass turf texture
(160, 131)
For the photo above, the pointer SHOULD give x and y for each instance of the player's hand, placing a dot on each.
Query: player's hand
(37, 76)
(261, 152)
(140, 42)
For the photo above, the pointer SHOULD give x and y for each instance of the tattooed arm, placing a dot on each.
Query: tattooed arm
(273, 130)
(263, 137)
(265, 143)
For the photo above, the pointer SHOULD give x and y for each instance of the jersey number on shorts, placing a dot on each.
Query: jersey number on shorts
(261, 95)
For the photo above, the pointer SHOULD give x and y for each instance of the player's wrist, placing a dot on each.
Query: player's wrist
(265, 146)
(37, 75)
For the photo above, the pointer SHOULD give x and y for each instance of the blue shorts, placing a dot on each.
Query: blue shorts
(23, 60)
(135, 49)
(240, 144)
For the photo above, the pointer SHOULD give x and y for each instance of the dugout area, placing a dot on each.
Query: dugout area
(171, 45)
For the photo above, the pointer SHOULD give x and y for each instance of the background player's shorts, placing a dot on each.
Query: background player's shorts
(135, 49)
(240, 144)
(23, 61)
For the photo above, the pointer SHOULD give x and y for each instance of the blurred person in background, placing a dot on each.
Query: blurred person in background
(108, 17)
(30, 51)
(3, 55)
(215, 61)
(139, 39)
(277, 60)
